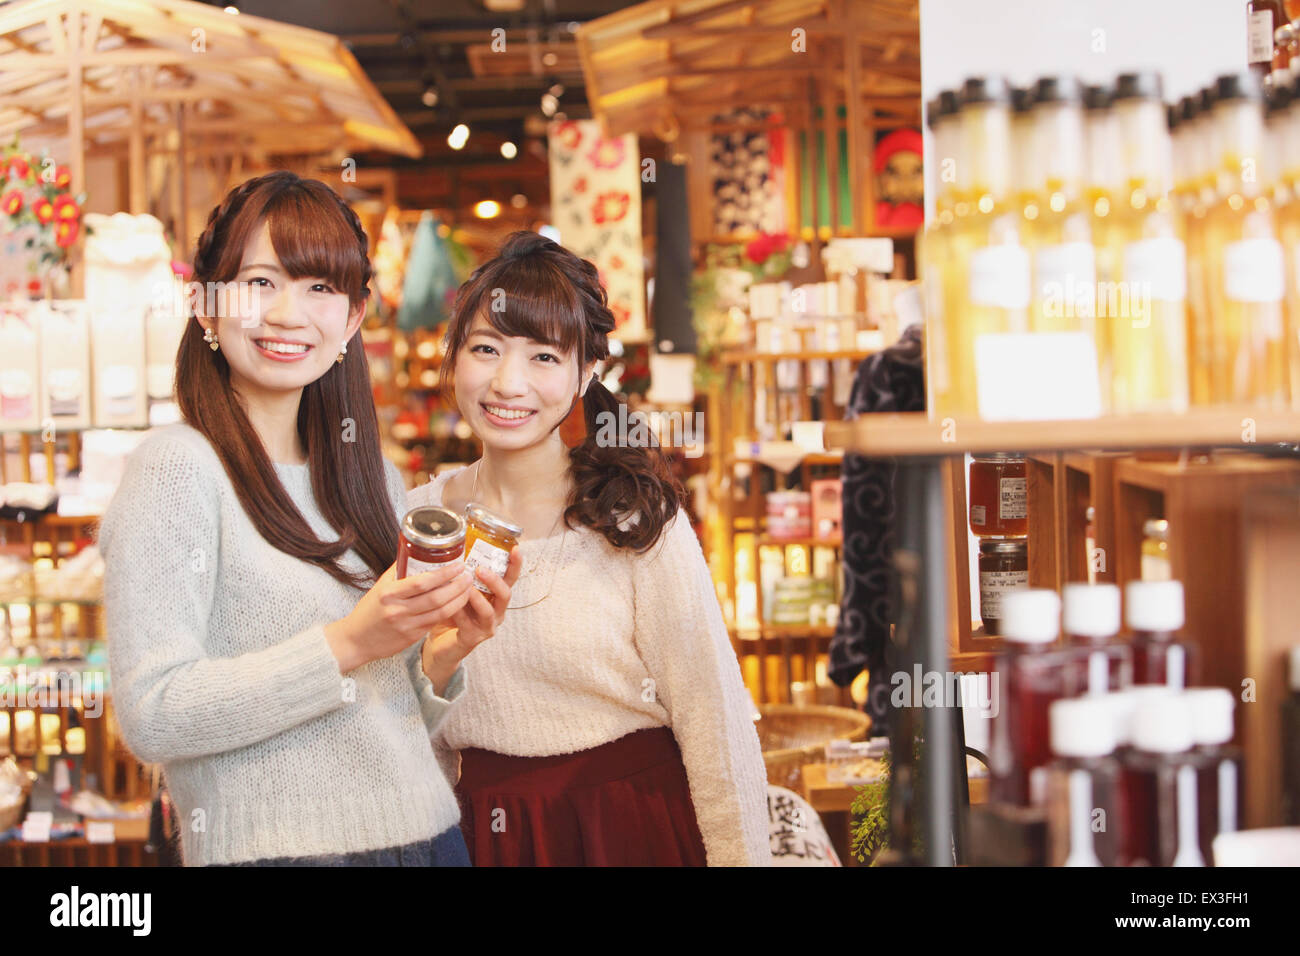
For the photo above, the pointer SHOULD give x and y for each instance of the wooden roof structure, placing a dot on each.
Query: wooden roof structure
(666, 63)
(104, 71)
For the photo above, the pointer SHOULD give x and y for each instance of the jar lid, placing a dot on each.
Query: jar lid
(1091, 610)
(999, 456)
(433, 527)
(1031, 616)
(492, 521)
(1004, 545)
(1084, 727)
(1244, 86)
(1058, 89)
(979, 90)
(1126, 703)
(1145, 85)
(1163, 724)
(1154, 605)
(1097, 98)
(1211, 714)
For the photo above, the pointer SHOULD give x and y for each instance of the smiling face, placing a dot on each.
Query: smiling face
(278, 333)
(512, 390)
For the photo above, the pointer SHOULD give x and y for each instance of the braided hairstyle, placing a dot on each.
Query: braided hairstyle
(315, 235)
(538, 289)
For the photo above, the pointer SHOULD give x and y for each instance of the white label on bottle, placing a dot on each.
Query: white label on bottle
(1189, 846)
(1065, 277)
(484, 554)
(1176, 667)
(1080, 816)
(993, 584)
(415, 566)
(977, 515)
(1253, 270)
(999, 277)
(1259, 37)
(1156, 568)
(1227, 797)
(1013, 499)
(1155, 269)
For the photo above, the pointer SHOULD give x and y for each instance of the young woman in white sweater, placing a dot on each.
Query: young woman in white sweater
(608, 723)
(260, 648)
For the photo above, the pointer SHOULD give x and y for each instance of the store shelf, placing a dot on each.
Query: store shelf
(812, 458)
(915, 433)
(778, 631)
(742, 358)
(767, 539)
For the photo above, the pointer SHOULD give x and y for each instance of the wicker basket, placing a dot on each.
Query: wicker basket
(12, 815)
(793, 735)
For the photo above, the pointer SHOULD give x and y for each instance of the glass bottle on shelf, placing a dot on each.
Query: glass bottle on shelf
(987, 290)
(1090, 542)
(1156, 565)
(1286, 148)
(1103, 191)
(1291, 742)
(1159, 780)
(1031, 676)
(1263, 17)
(1245, 274)
(1003, 567)
(1146, 310)
(1098, 661)
(1083, 785)
(1192, 191)
(1218, 762)
(1153, 611)
(942, 117)
(999, 500)
(1058, 225)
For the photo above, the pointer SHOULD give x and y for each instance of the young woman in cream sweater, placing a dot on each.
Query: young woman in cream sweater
(260, 648)
(608, 723)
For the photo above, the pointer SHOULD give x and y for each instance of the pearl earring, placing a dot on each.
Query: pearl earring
(210, 336)
(343, 350)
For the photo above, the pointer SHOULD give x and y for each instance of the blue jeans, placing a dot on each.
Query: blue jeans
(446, 849)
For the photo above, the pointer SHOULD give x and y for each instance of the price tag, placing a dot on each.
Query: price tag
(36, 828)
(1037, 376)
(100, 831)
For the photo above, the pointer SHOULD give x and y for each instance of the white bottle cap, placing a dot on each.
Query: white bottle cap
(1295, 651)
(1163, 724)
(1124, 703)
(1154, 605)
(1211, 714)
(1083, 727)
(1031, 616)
(1091, 610)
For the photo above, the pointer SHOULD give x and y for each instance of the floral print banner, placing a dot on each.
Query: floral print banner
(596, 206)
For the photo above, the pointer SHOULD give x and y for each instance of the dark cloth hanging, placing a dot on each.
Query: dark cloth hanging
(889, 381)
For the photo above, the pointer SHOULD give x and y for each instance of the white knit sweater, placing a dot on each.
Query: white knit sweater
(221, 672)
(621, 642)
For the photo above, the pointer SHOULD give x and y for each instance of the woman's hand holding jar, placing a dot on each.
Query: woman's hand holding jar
(473, 624)
(395, 613)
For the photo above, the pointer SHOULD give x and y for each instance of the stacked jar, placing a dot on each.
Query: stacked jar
(999, 517)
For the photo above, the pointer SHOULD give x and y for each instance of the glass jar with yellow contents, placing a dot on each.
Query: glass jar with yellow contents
(431, 537)
(488, 540)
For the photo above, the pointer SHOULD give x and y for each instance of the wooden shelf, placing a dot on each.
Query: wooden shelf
(741, 358)
(914, 433)
(812, 458)
(770, 631)
(767, 539)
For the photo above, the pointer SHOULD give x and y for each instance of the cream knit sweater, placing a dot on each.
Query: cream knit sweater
(621, 642)
(221, 673)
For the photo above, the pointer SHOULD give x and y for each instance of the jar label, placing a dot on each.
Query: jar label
(977, 515)
(1154, 269)
(1259, 37)
(484, 554)
(993, 584)
(415, 566)
(1253, 270)
(1013, 499)
(999, 277)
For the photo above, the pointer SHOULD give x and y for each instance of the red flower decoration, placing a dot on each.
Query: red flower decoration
(606, 154)
(44, 210)
(66, 232)
(568, 135)
(62, 177)
(616, 262)
(758, 249)
(12, 202)
(610, 207)
(34, 286)
(621, 315)
(19, 167)
(66, 209)
(580, 184)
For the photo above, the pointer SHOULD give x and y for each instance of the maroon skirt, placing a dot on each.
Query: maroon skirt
(624, 803)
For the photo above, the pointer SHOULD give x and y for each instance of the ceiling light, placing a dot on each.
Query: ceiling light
(519, 200)
(232, 10)
(550, 104)
(509, 150)
(458, 136)
(549, 59)
(429, 97)
(487, 209)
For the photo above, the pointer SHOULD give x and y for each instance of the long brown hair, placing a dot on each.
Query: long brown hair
(315, 235)
(551, 295)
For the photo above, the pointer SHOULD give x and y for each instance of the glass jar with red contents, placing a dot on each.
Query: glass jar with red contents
(998, 494)
(431, 537)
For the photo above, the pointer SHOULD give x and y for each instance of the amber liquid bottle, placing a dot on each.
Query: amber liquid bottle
(1153, 611)
(1084, 805)
(1161, 816)
(1031, 676)
(1263, 17)
(1098, 662)
(935, 265)
(1218, 764)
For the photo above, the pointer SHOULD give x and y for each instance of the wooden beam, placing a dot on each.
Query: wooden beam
(136, 168)
(831, 134)
(854, 120)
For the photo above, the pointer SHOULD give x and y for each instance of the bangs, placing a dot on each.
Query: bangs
(530, 299)
(313, 241)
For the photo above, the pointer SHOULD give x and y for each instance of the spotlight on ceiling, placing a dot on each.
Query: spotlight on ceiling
(487, 209)
(549, 59)
(509, 150)
(430, 96)
(518, 200)
(458, 137)
(550, 103)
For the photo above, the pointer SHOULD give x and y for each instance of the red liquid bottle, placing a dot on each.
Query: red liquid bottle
(1084, 805)
(1153, 611)
(1030, 676)
(1161, 820)
(1098, 661)
(1291, 745)
(1219, 763)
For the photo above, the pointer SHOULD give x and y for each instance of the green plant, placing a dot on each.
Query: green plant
(871, 810)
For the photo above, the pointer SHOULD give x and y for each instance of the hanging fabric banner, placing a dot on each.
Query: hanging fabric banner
(596, 206)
